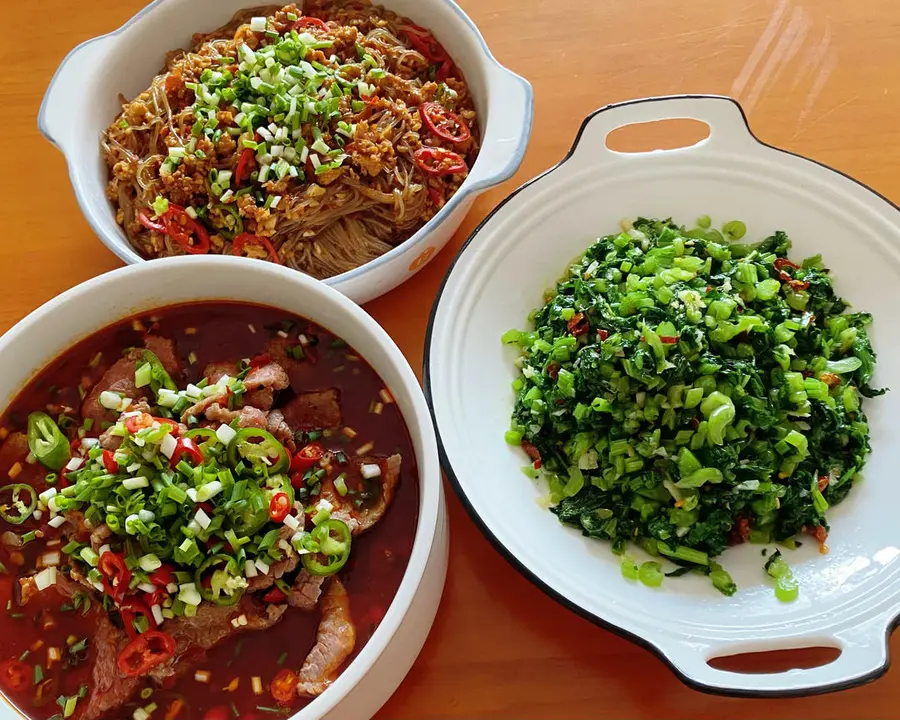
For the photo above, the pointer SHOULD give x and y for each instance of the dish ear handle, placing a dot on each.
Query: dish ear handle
(510, 113)
(66, 92)
(728, 128)
(864, 657)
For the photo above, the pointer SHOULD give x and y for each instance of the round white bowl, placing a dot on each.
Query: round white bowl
(81, 102)
(367, 683)
(850, 598)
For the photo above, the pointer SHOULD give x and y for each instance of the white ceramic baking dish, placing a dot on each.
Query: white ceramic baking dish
(48, 331)
(81, 101)
(849, 598)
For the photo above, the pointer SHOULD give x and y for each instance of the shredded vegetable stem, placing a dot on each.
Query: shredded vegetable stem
(681, 391)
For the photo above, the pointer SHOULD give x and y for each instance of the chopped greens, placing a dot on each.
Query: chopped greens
(683, 392)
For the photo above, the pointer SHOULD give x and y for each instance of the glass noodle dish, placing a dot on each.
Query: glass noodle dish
(316, 139)
(181, 518)
(682, 392)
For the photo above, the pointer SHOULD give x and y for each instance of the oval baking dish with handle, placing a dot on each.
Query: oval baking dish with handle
(849, 598)
(81, 101)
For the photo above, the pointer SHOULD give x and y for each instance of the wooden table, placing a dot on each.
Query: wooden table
(817, 77)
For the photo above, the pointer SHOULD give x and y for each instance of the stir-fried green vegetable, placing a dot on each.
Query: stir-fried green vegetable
(684, 393)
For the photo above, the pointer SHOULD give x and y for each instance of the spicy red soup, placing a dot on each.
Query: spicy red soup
(206, 512)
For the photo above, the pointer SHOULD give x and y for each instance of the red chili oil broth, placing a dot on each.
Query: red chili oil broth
(207, 332)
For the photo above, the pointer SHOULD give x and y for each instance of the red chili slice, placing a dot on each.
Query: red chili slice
(279, 507)
(436, 196)
(782, 263)
(131, 607)
(109, 462)
(446, 69)
(307, 456)
(578, 324)
(145, 652)
(15, 675)
(445, 124)
(145, 220)
(260, 360)
(307, 21)
(533, 453)
(284, 687)
(186, 446)
(275, 595)
(423, 41)
(668, 339)
(602, 335)
(162, 576)
(243, 165)
(247, 239)
(180, 227)
(438, 161)
(135, 423)
(116, 574)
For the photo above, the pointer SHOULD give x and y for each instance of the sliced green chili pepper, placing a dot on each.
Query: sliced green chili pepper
(22, 509)
(47, 442)
(205, 438)
(243, 447)
(215, 592)
(229, 232)
(333, 537)
(159, 378)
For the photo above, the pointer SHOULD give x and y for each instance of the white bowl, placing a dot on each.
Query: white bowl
(81, 102)
(48, 331)
(850, 598)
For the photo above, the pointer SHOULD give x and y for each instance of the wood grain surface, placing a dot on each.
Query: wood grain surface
(818, 77)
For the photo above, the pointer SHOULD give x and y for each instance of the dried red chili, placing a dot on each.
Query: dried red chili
(533, 453)
(781, 263)
(578, 324)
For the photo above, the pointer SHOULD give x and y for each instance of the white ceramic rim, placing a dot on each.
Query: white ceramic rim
(430, 489)
(468, 189)
(654, 108)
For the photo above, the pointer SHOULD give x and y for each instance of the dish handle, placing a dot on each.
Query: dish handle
(510, 114)
(728, 128)
(67, 91)
(864, 657)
